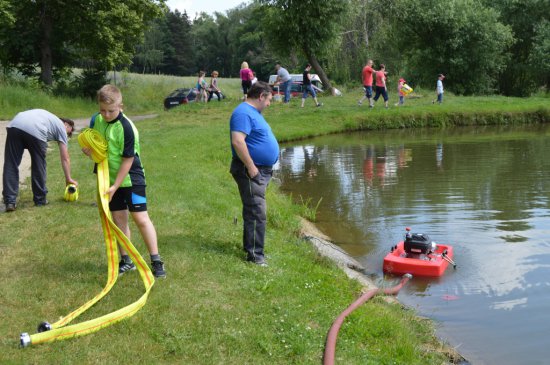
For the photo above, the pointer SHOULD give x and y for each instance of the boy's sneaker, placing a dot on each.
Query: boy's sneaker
(124, 266)
(158, 269)
(10, 207)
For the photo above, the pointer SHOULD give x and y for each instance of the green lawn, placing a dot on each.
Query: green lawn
(213, 308)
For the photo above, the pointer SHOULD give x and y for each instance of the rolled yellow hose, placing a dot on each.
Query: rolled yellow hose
(92, 139)
(71, 193)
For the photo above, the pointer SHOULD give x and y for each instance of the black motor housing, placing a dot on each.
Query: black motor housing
(418, 243)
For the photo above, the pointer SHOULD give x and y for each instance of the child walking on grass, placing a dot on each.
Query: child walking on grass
(127, 179)
(401, 92)
(439, 88)
(214, 89)
(201, 87)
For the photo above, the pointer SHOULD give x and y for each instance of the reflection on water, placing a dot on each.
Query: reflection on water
(485, 191)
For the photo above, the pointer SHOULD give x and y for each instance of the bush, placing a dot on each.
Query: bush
(90, 81)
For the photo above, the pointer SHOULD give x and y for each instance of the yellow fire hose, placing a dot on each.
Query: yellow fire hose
(59, 330)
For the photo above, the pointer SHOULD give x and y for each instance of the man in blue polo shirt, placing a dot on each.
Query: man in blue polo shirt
(255, 150)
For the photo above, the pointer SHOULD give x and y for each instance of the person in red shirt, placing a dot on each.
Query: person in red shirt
(367, 83)
(381, 88)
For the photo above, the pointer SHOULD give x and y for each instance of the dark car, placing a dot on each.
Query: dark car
(184, 96)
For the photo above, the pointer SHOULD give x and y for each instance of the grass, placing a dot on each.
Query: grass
(213, 308)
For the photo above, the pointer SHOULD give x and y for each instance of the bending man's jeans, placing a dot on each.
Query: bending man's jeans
(16, 143)
(287, 86)
(252, 191)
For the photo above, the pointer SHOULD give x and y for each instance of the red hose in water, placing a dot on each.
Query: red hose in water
(330, 348)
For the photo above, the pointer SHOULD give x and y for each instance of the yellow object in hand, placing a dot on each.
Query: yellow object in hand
(71, 193)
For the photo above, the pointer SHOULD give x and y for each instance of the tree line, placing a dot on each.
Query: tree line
(482, 46)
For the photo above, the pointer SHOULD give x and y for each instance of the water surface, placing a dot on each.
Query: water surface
(483, 190)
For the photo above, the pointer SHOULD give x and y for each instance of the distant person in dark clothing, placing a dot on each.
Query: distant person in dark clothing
(308, 87)
(381, 88)
(32, 130)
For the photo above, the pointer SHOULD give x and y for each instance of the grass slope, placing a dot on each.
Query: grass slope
(213, 308)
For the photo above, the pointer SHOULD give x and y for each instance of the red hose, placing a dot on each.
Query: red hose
(330, 348)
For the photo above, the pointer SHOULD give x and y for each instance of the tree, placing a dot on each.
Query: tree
(308, 26)
(205, 42)
(6, 21)
(245, 40)
(538, 58)
(528, 20)
(366, 35)
(149, 55)
(460, 38)
(54, 34)
(179, 57)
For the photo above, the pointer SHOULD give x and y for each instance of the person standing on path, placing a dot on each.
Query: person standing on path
(255, 150)
(32, 130)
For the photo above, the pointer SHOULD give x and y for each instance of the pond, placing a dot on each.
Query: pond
(484, 190)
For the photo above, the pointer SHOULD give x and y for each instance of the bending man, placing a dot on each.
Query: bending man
(32, 130)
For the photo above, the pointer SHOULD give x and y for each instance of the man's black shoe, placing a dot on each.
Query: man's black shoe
(41, 203)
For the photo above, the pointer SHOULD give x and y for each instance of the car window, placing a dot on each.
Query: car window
(296, 87)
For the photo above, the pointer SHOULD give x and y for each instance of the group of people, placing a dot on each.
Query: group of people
(254, 149)
(33, 129)
(283, 82)
(379, 78)
(207, 91)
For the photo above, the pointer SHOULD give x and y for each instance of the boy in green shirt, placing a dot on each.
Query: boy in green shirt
(127, 178)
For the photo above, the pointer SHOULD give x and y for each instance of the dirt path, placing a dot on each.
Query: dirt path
(25, 167)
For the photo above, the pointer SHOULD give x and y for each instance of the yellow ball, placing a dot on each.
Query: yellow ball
(71, 193)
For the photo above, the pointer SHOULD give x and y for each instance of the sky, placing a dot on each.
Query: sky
(209, 6)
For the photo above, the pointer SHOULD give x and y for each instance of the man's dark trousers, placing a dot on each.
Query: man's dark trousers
(16, 143)
(252, 191)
